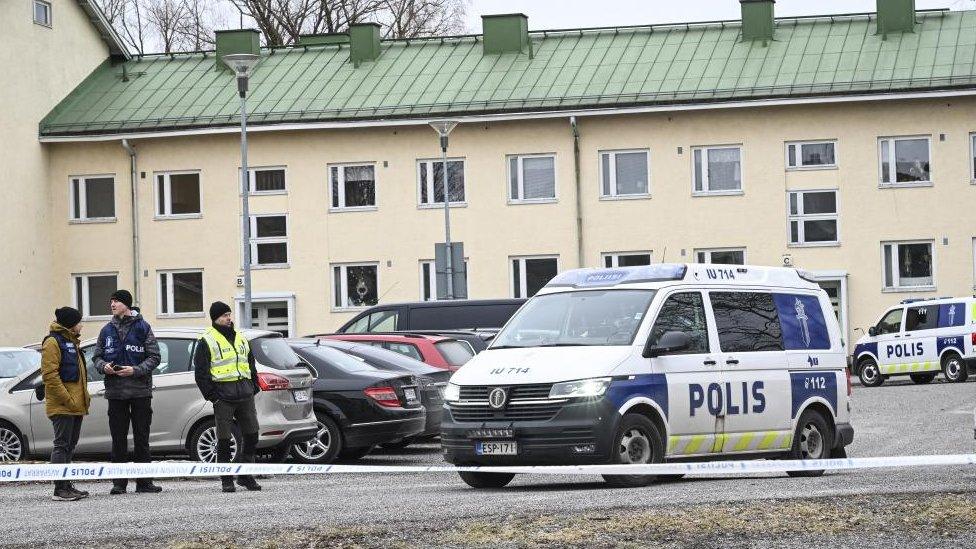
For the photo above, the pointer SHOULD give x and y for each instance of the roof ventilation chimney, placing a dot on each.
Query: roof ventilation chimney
(757, 20)
(896, 16)
(364, 42)
(236, 41)
(323, 39)
(506, 33)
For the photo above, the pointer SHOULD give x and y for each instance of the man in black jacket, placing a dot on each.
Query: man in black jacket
(225, 373)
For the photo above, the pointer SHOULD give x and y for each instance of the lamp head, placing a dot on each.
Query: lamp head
(443, 127)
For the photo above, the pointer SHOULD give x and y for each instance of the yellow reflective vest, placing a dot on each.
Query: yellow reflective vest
(227, 362)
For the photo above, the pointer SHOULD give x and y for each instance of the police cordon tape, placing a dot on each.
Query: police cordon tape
(105, 471)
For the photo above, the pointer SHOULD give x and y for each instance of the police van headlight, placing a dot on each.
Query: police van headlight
(583, 388)
(452, 393)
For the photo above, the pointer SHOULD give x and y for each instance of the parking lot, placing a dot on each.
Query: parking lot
(898, 418)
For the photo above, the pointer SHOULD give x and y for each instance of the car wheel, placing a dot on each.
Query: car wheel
(813, 439)
(398, 445)
(486, 480)
(13, 445)
(953, 368)
(354, 453)
(922, 379)
(637, 441)
(324, 447)
(870, 374)
(202, 444)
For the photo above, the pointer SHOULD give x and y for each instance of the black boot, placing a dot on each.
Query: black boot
(227, 484)
(247, 456)
(223, 456)
(146, 486)
(118, 487)
(63, 492)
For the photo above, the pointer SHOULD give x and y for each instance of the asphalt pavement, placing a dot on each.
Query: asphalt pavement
(899, 418)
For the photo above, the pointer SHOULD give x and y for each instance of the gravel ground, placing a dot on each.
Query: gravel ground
(876, 508)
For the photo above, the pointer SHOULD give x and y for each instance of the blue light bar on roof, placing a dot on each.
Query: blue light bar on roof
(587, 278)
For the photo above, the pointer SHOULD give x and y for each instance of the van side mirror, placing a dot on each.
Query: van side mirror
(668, 343)
(873, 331)
(39, 391)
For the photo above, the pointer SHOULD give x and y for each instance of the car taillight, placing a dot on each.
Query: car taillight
(850, 389)
(384, 396)
(272, 382)
(974, 339)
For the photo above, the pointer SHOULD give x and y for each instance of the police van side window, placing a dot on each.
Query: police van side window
(684, 312)
(891, 323)
(922, 318)
(746, 322)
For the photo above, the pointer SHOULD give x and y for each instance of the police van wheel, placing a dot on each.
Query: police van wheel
(870, 374)
(953, 368)
(922, 379)
(637, 441)
(813, 439)
(486, 480)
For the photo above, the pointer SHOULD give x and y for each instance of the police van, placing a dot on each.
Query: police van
(919, 338)
(655, 363)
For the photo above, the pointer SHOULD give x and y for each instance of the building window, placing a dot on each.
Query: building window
(354, 286)
(718, 170)
(531, 178)
(908, 265)
(267, 180)
(428, 279)
(93, 198)
(905, 161)
(430, 178)
(178, 194)
(624, 173)
(530, 274)
(42, 13)
(91, 293)
(813, 217)
(629, 259)
(180, 292)
(353, 186)
(811, 155)
(269, 240)
(721, 256)
(972, 157)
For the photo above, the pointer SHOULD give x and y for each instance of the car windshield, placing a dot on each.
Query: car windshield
(339, 359)
(597, 317)
(274, 352)
(16, 362)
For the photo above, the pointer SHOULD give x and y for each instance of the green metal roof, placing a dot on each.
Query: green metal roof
(574, 69)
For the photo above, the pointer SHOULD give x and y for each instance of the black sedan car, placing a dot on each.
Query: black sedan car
(356, 404)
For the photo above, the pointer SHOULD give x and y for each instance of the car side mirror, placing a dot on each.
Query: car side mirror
(873, 331)
(668, 343)
(39, 391)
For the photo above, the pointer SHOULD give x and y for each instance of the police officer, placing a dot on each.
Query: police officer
(225, 373)
(66, 392)
(127, 353)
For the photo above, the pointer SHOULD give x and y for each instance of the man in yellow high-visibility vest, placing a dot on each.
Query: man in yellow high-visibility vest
(226, 376)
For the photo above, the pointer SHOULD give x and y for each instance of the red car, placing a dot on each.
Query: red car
(437, 351)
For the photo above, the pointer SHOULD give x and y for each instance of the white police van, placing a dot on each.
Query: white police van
(653, 363)
(919, 338)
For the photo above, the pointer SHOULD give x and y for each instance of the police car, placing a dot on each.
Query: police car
(919, 338)
(654, 363)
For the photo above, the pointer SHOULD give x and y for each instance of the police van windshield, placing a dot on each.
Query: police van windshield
(595, 317)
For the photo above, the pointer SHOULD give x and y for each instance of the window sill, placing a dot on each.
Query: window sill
(200, 314)
(810, 168)
(642, 196)
(834, 244)
(905, 185)
(532, 201)
(909, 289)
(93, 220)
(270, 266)
(39, 24)
(354, 209)
(717, 193)
(441, 206)
(350, 309)
(267, 193)
(177, 217)
(99, 318)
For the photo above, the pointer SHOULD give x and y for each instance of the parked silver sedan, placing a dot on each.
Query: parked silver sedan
(182, 420)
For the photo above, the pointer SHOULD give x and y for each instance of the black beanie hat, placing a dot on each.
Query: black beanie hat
(218, 309)
(68, 317)
(123, 297)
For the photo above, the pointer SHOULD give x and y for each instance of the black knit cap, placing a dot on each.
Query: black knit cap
(123, 297)
(68, 317)
(218, 309)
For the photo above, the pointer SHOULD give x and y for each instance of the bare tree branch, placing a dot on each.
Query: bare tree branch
(167, 18)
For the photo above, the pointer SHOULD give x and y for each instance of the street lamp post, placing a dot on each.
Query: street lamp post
(242, 64)
(443, 129)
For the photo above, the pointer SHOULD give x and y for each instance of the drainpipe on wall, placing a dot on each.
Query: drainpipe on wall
(579, 198)
(135, 220)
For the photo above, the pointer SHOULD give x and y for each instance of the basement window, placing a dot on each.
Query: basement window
(42, 13)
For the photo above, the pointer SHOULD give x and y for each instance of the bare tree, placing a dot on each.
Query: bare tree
(197, 32)
(413, 18)
(128, 19)
(167, 19)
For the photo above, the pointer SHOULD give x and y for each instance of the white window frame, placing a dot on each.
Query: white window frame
(521, 179)
(891, 162)
(344, 285)
(82, 205)
(896, 287)
(613, 174)
(168, 273)
(430, 183)
(342, 187)
(708, 253)
(615, 257)
(522, 272)
(972, 158)
(168, 198)
(50, 13)
(705, 186)
(974, 262)
(85, 297)
(254, 240)
(432, 287)
(800, 217)
(799, 155)
(252, 180)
